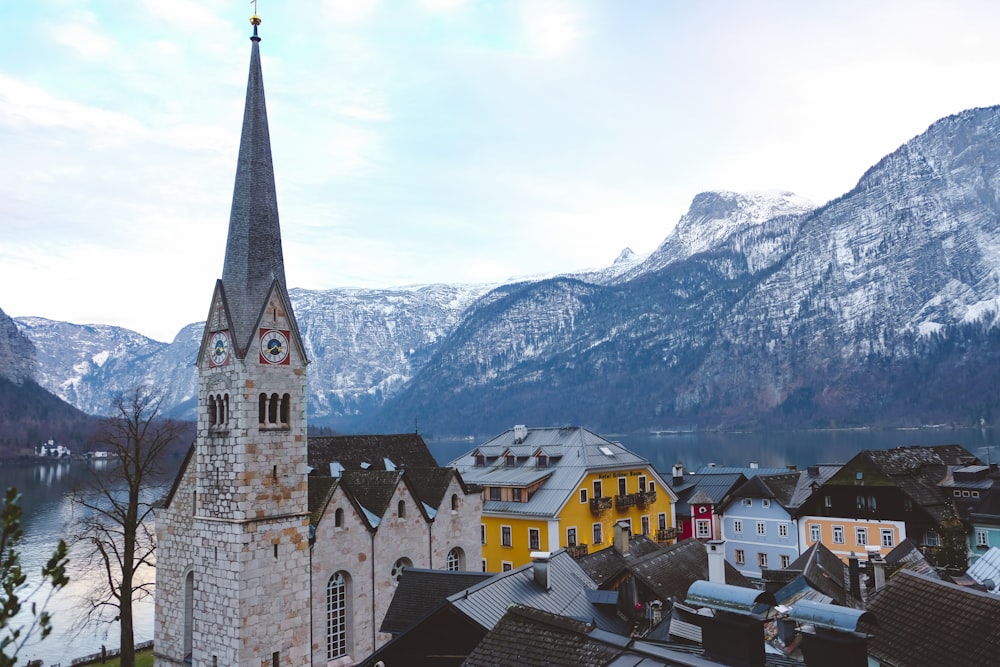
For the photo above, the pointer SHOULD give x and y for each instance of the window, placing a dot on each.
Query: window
(703, 528)
(642, 483)
(510, 460)
(534, 541)
(622, 487)
(814, 532)
(652, 487)
(401, 509)
(765, 503)
(982, 539)
(506, 566)
(661, 520)
(505, 536)
(571, 537)
(336, 616)
(494, 493)
(838, 534)
(975, 494)
(188, 613)
(762, 559)
(965, 494)
(785, 561)
(598, 534)
(741, 558)
(888, 539)
(737, 526)
(872, 505)
(861, 536)
(484, 565)
(480, 460)
(338, 518)
(455, 560)
(482, 532)
(827, 501)
(645, 525)
(454, 502)
(861, 502)
(598, 491)
(761, 528)
(748, 502)
(782, 530)
(908, 504)
(517, 493)
(398, 567)
(932, 539)
(583, 495)
(957, 493)
(542, 461)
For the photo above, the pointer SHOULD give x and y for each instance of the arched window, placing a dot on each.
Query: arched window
(272, 410)
(455, 560)
(338, 518)
(337, 600)
(212, 410)
(454, 502)
(262, 409)
(188, 613)
(401, 509)
(286, 405)
(225, 409)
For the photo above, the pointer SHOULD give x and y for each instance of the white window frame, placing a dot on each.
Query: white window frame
(747, 502)
(661, 521)
(815, 532)
(782, 530)
(575, 541)
(761, 559)
(644, 522)
(506, 566)
(482, 532)
(888, 538)
(762, 528)
(597, 531)
(786, 560)
(982, 538)
(506, 536)
(737, 526)
(741, 557)
(534, 539)
(583, 496)
(861, 536)
(765, 502)
(838, 532)
(703, 528)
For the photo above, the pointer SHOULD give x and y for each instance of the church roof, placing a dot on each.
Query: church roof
(421, 591)
(253, 250)
(370, 452)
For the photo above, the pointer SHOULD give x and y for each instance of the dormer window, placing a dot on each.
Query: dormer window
(480, 460)
(510, 460)
(542, 461)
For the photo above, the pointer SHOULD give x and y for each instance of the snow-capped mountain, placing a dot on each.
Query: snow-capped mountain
(758, 309)
(17, 354)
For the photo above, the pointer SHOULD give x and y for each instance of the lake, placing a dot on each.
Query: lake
(48, 511)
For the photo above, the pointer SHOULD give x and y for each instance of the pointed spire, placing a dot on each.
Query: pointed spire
(253, 251)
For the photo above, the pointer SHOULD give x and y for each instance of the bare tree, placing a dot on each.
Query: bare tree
(114, 530)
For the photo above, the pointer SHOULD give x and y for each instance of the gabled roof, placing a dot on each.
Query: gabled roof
(421, 591)
(749, 471)
(810, 479)
(373, 489)
(352, 451)
(700, 489)
(923, 621)
(986, 569)
(668, 571)
(609, 563)
(430, 484)
(906, 556)
(320, 491)
(824, 572)
(573, 452)
(779, 488)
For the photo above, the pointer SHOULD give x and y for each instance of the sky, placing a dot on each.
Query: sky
(427, 141)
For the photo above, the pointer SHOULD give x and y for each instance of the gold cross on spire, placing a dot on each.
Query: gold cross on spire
(254, 20)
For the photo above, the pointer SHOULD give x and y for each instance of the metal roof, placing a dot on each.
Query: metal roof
(833, 617)
(734, 599)
(579, 450)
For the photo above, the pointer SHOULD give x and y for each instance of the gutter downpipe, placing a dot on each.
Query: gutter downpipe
(374, 642)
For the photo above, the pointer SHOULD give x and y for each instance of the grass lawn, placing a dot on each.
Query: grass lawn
(142, 659)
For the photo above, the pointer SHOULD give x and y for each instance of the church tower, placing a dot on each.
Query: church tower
(234, 537)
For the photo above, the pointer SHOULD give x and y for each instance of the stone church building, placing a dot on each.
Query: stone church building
(274, 548)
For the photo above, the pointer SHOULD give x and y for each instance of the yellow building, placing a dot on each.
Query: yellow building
(549, 488)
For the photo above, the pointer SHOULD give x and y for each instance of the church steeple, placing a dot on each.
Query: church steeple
(254, 258)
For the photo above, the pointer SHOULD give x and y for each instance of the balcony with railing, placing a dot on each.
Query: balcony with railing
(666, 534)
(577, 551)
(600, 504)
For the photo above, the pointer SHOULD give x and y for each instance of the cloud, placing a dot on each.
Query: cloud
(551, 28)
(349, 11)
(82, 38)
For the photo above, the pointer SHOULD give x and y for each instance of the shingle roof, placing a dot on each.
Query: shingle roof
(253, 248)
(421, 591)
(351, 451)
(372, 489)
(430, 484)
(824, 572)
(918, 471)
(906, 556)
(670, 571)
(573, 451)
(923, 621)
(607, 564)
(320, 490)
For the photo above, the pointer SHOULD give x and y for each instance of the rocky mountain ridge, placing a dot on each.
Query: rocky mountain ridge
(758, 310)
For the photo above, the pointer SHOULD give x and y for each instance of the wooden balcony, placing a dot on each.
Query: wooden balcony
(577, 551)
(600, 504)
(666, 534)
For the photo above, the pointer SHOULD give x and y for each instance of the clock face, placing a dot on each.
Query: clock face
(273, 346)
(218, 349)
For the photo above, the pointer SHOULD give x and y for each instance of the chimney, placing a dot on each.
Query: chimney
(520, 433)
(716, 561)
(854, 569)
(754, 465)
(813, 471)
(622, 535)
(540, 568)
(678, 473)
(877, 564)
